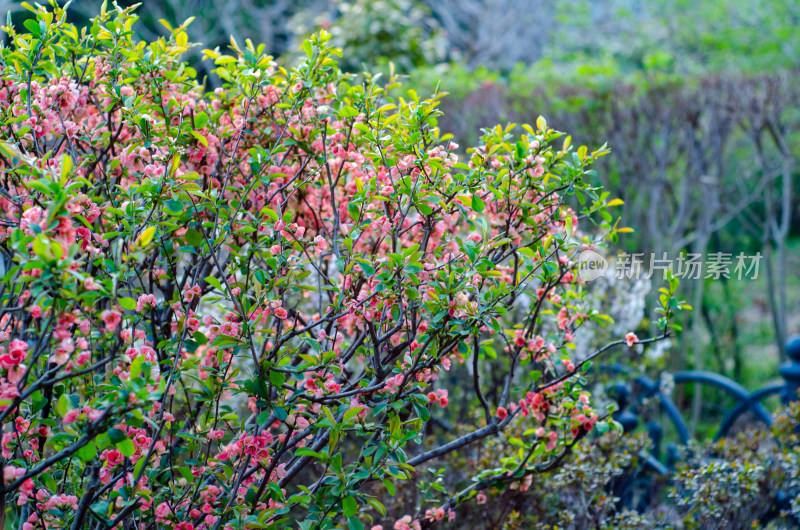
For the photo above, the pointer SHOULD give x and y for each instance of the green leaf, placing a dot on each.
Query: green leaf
(33, 26)
(349, 413)
(126, 447)
(136, 366)
(347, 112)
(146, 237)
(308, 48)
(377, 505)
(329, 415)
(304, 451)
(174, 162)
(349, 506)
(88, 452)
(116, 435)
(138, 467)
(174, 206)
(225, 341)
(63, 405)
(200, 138)
(263, 417)
(277, 378)
(269, 212)
(389, 486)
(127, 303)
(186, 473)
(42, 249)
(194, 238)
(422, 412)
(477, 203)
(354, 211)
(215, 283)
(200, 120)
(66, 166)
(394, 427)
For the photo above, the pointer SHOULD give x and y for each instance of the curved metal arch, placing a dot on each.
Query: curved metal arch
(671, 410)
(743, 406)
(726, 384)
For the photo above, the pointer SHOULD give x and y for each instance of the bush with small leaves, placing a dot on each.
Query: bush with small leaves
(752, 477)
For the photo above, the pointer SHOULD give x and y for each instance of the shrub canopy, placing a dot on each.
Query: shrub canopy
(237, 308)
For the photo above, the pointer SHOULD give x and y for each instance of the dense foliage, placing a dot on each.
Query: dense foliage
(238, 308)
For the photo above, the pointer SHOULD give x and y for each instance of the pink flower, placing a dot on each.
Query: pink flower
(552, 439)
(8, 392)
(111, 319)
(144, 301)
(92, 414)
(162, 511)
(321, 243)
(216, 435)
(480, 498)
(11, 473)
(446, 363)
(406, 523)
(230, 329)
(442, 395)
(15, 373)
(113, 457)
(26, 488)
(502, 413)
(631, 339)
(281, 313)
(17, 351)
(71, 416)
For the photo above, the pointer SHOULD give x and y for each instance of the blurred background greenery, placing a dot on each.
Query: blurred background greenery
(697, 99)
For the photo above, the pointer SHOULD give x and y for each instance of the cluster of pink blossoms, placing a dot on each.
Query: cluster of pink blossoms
(231, 290)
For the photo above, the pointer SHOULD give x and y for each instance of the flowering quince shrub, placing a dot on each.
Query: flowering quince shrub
(235, 309)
